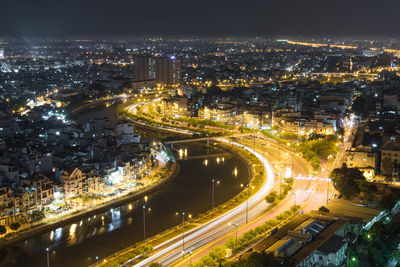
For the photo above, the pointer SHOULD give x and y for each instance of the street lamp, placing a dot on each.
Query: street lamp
(236, 234)
(144, 219)
(327, 190)
(213, 189)
(190, 258)
(48, 260)
(183, 233)
(247, 201)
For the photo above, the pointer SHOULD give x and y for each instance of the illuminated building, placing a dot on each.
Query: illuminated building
(223, 114)
(168, 70)
(143, 69)
(176, 106)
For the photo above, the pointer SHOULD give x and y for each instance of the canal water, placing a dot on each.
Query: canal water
(78, 243)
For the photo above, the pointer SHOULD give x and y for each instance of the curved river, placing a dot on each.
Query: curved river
(78, 243)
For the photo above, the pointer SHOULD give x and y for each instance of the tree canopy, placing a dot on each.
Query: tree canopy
(347, 180)
(271, 197)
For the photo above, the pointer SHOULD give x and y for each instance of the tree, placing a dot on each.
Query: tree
(230, 242)
(156, 264)
(36, 215)
(367, 190)
(3, 230)
(259, 260)
(271, 197)
(387, 201)
(347, 180)
(15, 226)
(218, 253)
(206, 261)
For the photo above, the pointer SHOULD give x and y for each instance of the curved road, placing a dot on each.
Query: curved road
(309, 194)
(173, 249)
(304, 192)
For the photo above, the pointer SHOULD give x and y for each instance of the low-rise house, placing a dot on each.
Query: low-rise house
(72, 180)
(176, 106)
(316, 239)
(390, 159)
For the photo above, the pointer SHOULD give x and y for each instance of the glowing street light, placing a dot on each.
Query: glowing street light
(213, 189)
(236, 235)
(48, 260)
(183, 232)
(247, 200)
(144, 219)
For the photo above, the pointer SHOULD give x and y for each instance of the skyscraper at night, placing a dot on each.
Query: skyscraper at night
(168, 70)
(143, 68)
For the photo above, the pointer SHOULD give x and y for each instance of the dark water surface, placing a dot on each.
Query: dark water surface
(78, 243)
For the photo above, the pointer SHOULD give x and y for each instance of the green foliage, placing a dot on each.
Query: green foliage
(380, 244)
(156, 264)
(206, 261)
(316, 149)
(218, 253)
(230, 242)
(271, 197)
(120, 260)
(203, 123)
(36, 216)
(3, 230)
(367, 190)
(15, 226)
(214, 258)
(387, 201)
(347, 180)
(291, 136)
(258, 260)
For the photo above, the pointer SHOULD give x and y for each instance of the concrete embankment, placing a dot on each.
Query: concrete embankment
(40, 229)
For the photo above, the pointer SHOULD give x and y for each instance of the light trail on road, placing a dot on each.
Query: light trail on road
(197, 237)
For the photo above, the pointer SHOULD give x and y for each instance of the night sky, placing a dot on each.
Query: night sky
(56, 18)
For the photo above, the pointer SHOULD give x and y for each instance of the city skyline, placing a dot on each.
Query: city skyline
(199, 133)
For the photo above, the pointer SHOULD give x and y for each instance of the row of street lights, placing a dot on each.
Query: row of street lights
(146, 209)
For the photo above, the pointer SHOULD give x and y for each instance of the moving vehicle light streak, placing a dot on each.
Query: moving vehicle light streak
(217, 227)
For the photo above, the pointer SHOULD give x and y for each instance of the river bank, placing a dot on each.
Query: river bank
(121, 257)
(132, 196)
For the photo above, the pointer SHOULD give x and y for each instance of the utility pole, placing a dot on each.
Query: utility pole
(48, 260)
(144, 219)
(144, 224)
(247, 203)
(213, 186)
(327, 191)
(183, 235)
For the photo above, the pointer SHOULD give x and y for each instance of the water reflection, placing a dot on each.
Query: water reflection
(58, 235)
(51, 235)
(72, 230)
(104, 233)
